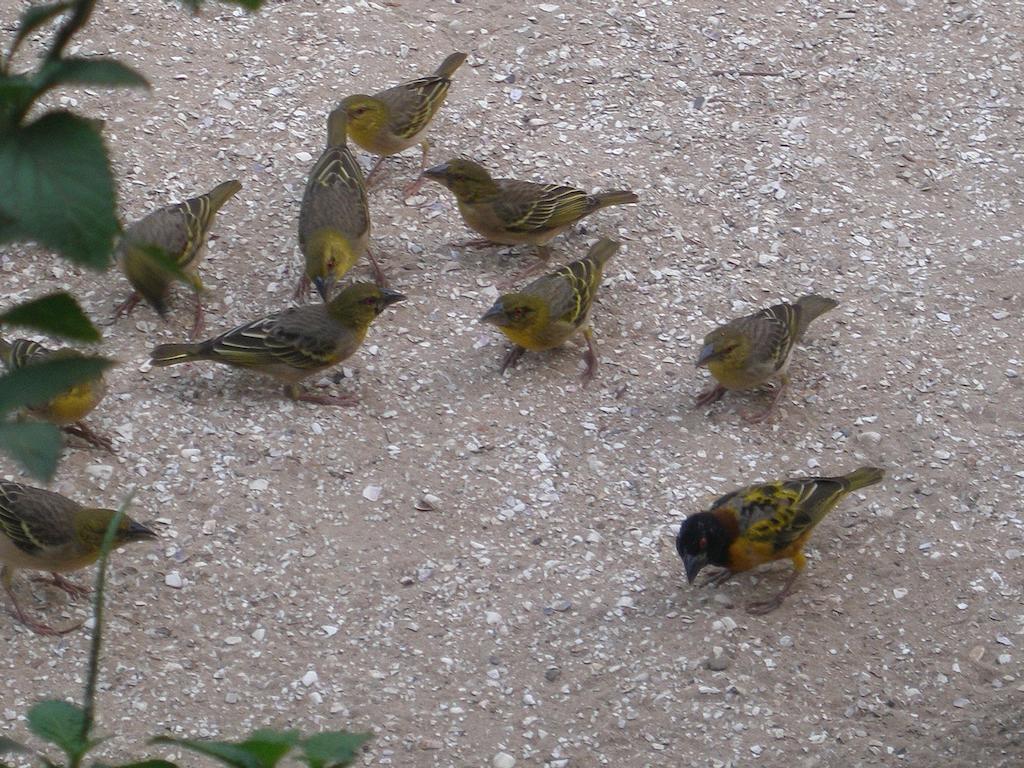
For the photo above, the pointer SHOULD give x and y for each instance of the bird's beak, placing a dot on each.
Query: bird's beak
(324, 286)
(707, 353)
(389, 297)
(693, 564)
(437, 171)
(139, 532)
(495, 315)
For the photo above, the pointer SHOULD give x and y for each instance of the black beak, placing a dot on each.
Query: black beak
(437, 171)
(693, 565)
(323, 287)
(706, 354)
(389, 297)
(139, 532)
(494, 314)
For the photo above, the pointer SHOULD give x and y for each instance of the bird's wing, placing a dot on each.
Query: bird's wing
(170, 229)
(24, 352)
(34, 519)
(772, 332)
(527, 207)
(335, 196)
(569, 290)
(298, 337)
(770, 513)
(412, 105)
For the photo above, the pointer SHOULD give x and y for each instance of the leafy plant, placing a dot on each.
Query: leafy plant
(70, 727)
(56, 189)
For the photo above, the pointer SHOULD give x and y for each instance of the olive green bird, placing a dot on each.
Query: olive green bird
(178, 232)
(68, 409)
(512, 212)
(763, 523)
(393, 120)
(44, 531)
(334, 221)
(295, 343)
(750, 351)
(552, 308)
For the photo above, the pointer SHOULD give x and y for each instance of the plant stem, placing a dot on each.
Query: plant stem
(79, 18)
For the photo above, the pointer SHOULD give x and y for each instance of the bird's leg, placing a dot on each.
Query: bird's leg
(543, 254)
(295, 393)
(197, 319)
(414, 186)
(369, 181)
(512, 357)
(757, 418)
(126, 306)
(719, 578)
(589, 357)
(378, 274)
(36, 626)
(767, 606)
(709, 396)
(302, 289)
(73, 590)
(82, 430)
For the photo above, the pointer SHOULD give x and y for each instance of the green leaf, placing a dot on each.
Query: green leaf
(56, 184)
(332, 749)
(40, 382)
(92, 71)
(143, 764)
(33, 444)
(58, 314)
(33, 18)
(16, 95)
(59, 723)
(252, 5)
(263, 749)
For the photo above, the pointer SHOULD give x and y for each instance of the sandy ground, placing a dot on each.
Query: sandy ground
(536, 607)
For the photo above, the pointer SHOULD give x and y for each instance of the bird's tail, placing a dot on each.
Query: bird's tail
(812, 306)
(172, 354)
(449, 65)
(862, 478)
(618, 197)
(603, 250)
(337, 128)
(222, 193)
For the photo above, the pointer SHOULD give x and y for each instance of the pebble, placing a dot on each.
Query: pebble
(503, 760)
(173, 580)
(310, 678)
(492, 617)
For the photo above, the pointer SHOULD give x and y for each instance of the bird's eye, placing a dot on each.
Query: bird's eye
(702, 544)
(370, 300)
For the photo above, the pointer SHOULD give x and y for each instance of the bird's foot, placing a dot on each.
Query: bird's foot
(760, 608)
(709, 396)
(379, 277)
(308, 397)
(511, 358)
(74, 591)
(79, 429)
(198, 321)
(590, 358)
(477, 242)
(302, 289)
(719, 578)
(412, 187)
(125, 307)
(43, 629)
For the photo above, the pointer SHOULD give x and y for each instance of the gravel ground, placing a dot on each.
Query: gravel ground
(481, 569)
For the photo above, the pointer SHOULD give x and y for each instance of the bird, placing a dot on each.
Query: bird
(512, 212)
(334, 220)
(45, 531)
(68, 409)
(749, 351)
(295, 343)
(762, 523)
(552, 308)
(177, 232)
(395, 119)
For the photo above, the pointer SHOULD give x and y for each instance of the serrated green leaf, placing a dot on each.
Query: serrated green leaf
(33, 444)
(97, 70)
(33, 18)
(333, 749)
(40, 382)
(58, 314)
(59, 723)
(57, 186)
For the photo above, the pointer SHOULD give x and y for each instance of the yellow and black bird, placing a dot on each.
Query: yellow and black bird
(177, 232)
(334, 221)
(552, 308)
(393, 120)
(293, 344)
(511, 212)
(44, 531)
(762, 523)
(750, 351)
(68, 409)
